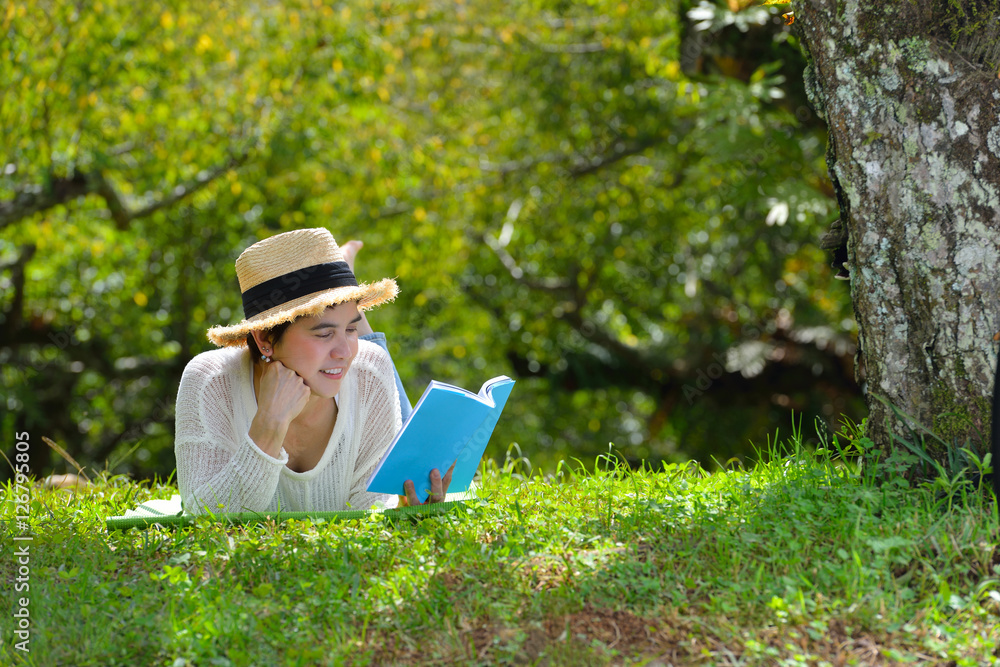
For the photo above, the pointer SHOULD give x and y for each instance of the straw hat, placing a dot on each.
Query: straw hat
(292, 275)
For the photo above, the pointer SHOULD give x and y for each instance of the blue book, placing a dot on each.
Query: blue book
(448, 425)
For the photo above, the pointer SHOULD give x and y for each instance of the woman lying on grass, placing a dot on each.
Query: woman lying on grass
(294, 412)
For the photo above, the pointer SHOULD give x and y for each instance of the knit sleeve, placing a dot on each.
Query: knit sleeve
(219, 468)
(380, 420)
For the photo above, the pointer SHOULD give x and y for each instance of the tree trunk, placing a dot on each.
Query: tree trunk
(910, 93)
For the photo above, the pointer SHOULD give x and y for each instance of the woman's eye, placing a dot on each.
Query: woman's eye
(324, 336)
(352, 330)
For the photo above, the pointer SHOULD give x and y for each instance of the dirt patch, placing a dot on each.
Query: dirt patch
(611, 628)
(837, 644)
(602, 636)
(616, 635)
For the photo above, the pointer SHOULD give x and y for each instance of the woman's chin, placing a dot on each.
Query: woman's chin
(328, 389)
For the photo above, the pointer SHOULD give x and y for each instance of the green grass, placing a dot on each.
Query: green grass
(801, 560)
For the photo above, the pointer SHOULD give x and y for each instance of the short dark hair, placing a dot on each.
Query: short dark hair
(272, 335)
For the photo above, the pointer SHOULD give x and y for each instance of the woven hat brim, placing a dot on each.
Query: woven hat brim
(368, 296)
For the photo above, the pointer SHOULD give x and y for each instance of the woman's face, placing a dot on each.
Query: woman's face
(321, 348)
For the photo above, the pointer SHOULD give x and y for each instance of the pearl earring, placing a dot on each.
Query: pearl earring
(265, 358)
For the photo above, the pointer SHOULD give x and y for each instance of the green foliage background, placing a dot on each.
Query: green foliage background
(618, 204)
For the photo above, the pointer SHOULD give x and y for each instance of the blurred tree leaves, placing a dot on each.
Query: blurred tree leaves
(617, 209)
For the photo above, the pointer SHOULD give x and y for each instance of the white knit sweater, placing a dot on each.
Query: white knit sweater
(221, 468)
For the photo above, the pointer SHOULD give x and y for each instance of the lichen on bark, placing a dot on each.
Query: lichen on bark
(912, 100)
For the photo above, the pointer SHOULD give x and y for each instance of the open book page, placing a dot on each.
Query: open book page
(484, 392)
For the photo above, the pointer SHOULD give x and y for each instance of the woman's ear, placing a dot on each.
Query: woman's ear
(263, 344)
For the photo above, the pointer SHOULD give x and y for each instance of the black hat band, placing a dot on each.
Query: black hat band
(301, 282)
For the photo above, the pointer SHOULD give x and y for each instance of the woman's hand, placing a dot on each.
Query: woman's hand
(439, 488)
(281, 396)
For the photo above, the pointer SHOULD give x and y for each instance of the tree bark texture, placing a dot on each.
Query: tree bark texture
(910, 93)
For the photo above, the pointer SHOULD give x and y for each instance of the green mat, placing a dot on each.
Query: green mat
(170, 513)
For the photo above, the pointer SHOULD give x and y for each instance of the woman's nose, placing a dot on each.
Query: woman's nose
(341, 348)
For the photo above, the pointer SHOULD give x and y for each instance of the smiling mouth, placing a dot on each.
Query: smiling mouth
(333, 372)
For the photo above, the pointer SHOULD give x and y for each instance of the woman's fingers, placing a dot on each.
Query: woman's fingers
(438, 490)
(283, 391)
(411, 493)
(446, 482)
(439, 485)
(436, 495)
